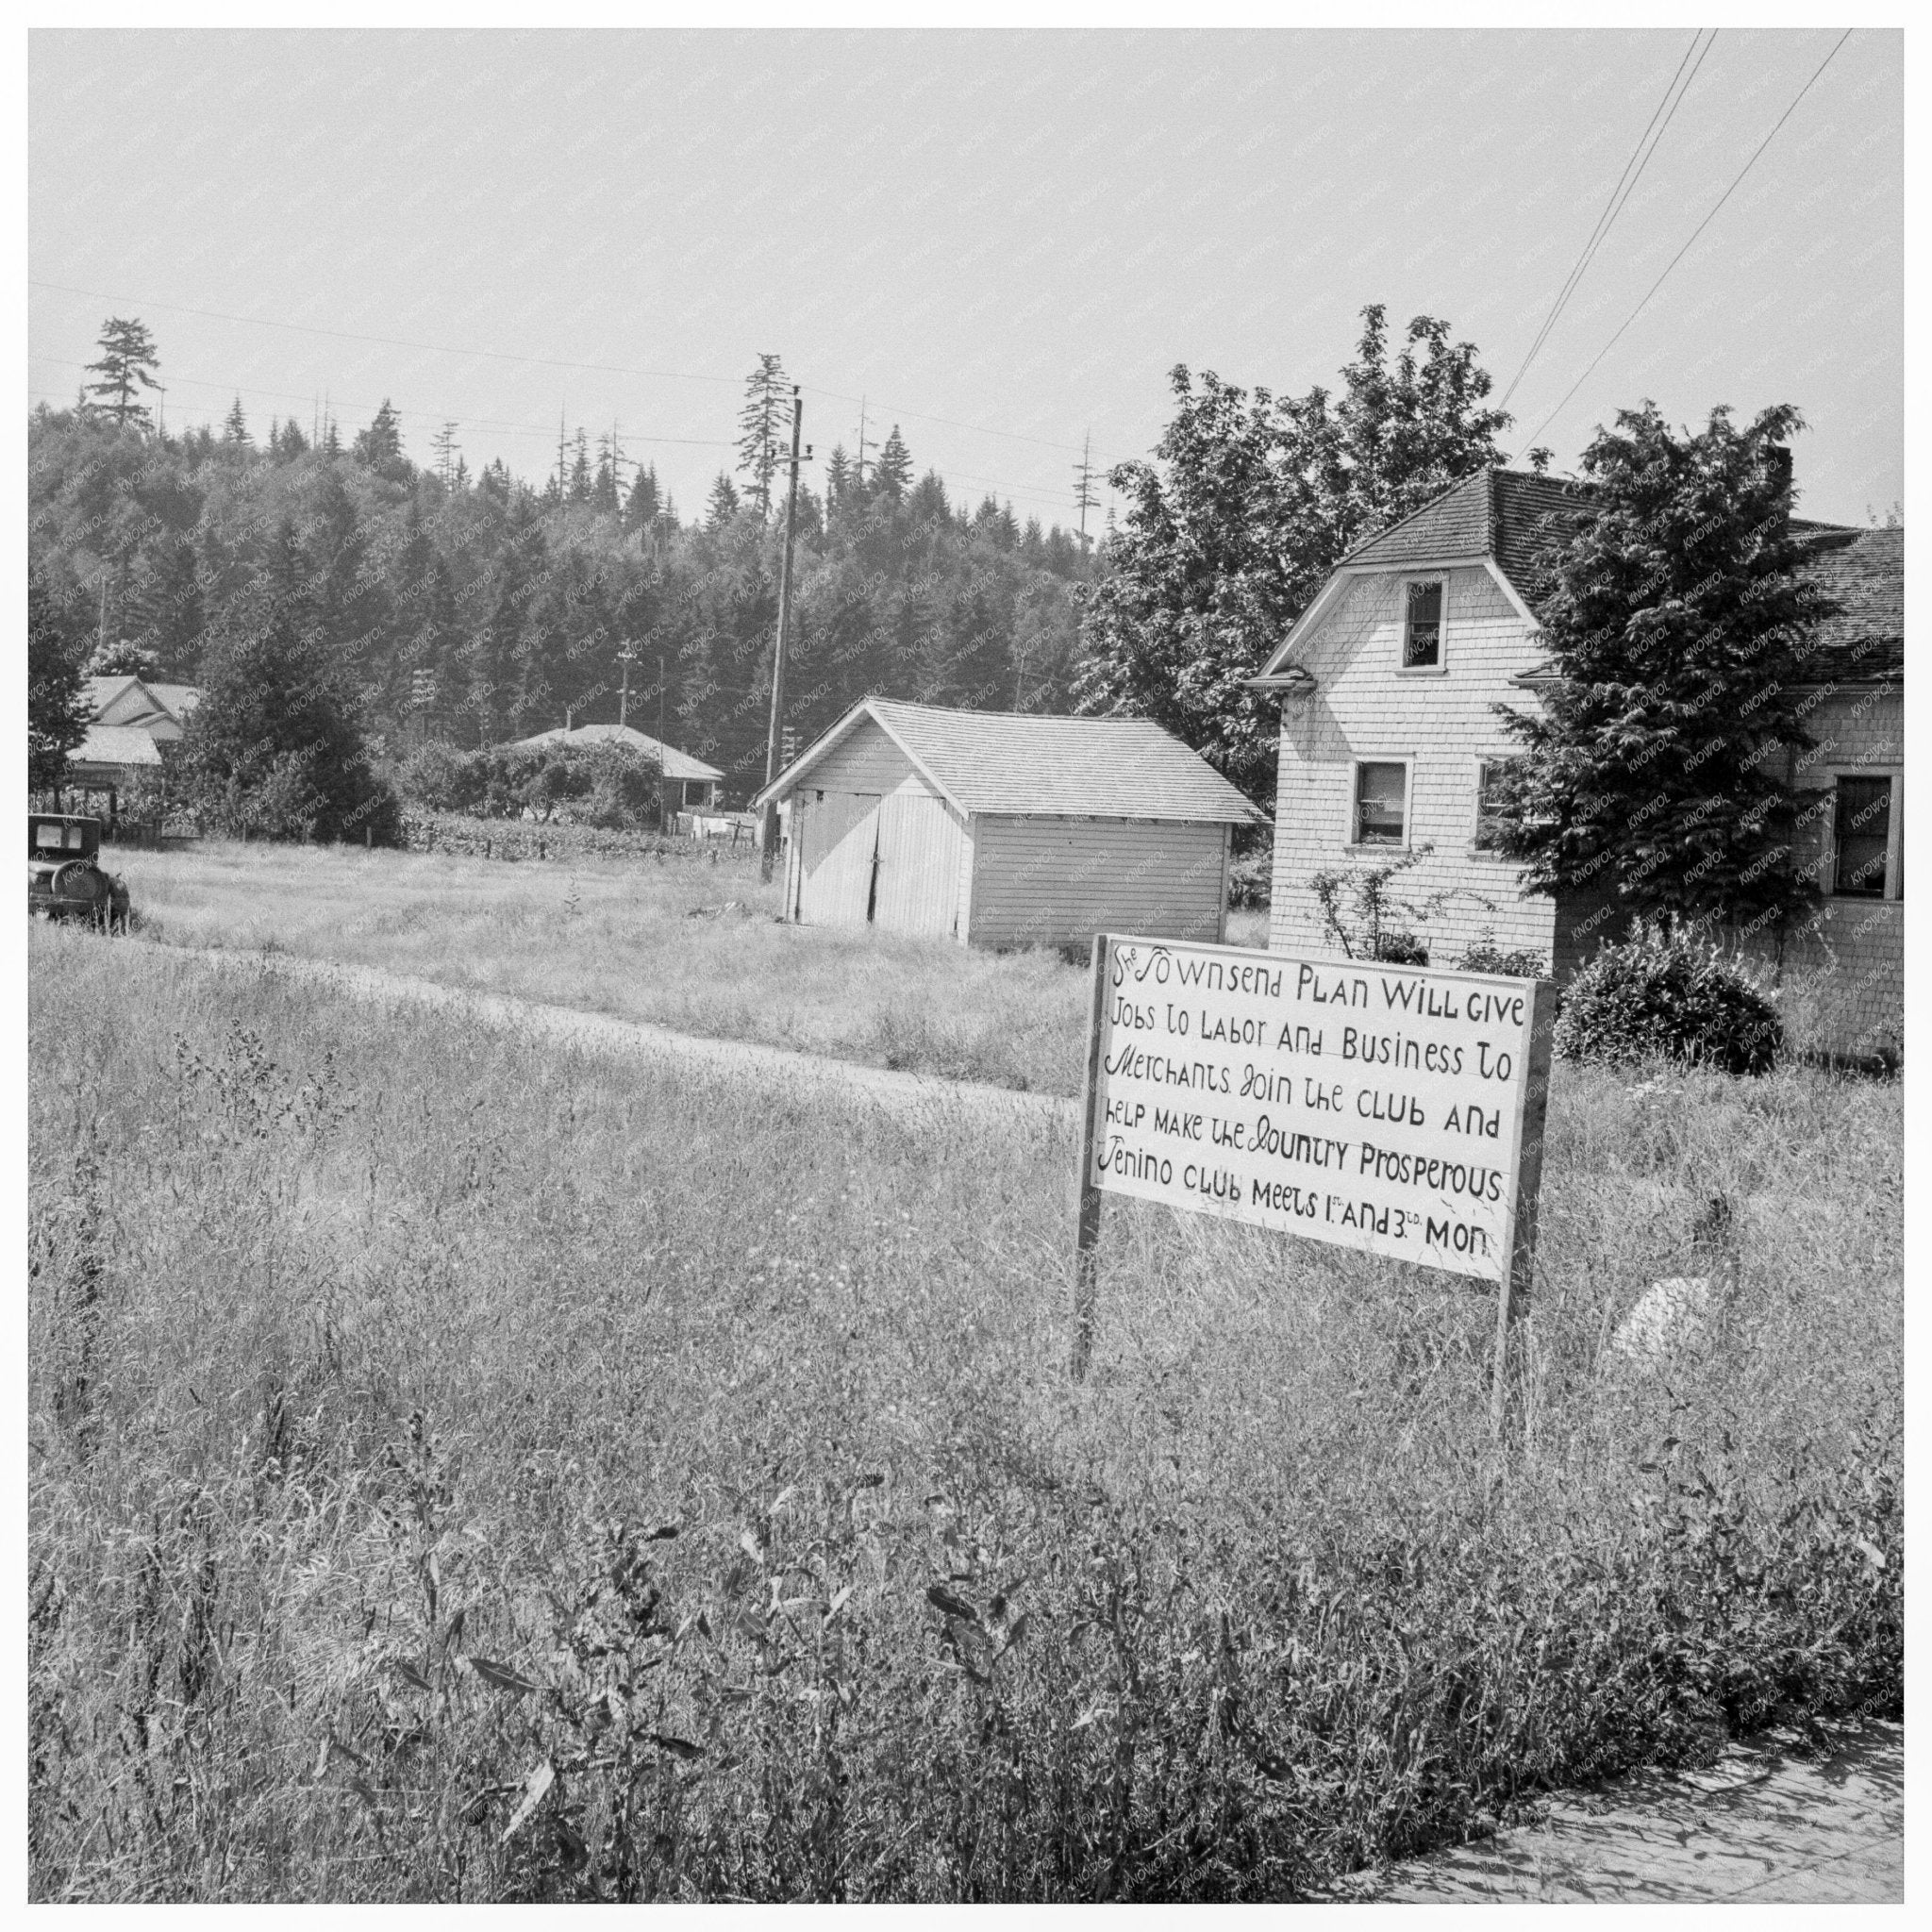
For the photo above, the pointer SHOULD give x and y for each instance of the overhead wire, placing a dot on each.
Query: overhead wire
(1529, 440)
(511, 356)
(546, 430)
(1626, 186)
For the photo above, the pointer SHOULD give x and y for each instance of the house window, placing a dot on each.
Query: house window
(1381, 798)
(1491, 814)
(1866, 860)
(1422, 625)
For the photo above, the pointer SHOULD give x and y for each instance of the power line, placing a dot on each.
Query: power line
(951, 422)
(432, 415)
(1639, 160)
(439, 417)
(1674, 259)
(509, 356)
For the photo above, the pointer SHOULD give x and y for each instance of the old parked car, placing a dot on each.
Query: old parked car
(64, 879)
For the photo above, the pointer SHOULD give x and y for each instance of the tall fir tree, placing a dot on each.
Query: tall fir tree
(128, 360)
(763, 428)
(234, 427)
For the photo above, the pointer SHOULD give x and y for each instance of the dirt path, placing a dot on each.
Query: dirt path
(1760, 1825)
(907, 1094)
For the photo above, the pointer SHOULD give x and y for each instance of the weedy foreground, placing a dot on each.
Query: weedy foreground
(465, 1469)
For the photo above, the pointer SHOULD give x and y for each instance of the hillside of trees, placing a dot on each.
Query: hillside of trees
(479, 609)
(435, 606)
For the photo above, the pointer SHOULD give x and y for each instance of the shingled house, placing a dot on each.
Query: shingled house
(1002, 829)
(1390, 738)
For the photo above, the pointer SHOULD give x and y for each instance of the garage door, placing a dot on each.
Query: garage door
(838, 840)
(921, 847)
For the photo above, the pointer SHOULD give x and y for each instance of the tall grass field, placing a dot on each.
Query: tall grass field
(690, 941)
(466, 1469)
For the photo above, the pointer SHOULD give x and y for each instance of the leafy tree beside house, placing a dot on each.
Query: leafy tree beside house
(1677, 621)
(1250, 503)
(56, 700)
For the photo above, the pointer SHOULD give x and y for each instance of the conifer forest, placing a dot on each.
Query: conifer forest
(479, 608)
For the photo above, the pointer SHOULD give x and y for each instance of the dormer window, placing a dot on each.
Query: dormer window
(1421, 623)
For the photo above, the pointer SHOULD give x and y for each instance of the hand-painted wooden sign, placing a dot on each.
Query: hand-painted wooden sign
(1390, 1108)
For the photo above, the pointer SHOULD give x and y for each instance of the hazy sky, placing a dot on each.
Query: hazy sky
(1004, 241)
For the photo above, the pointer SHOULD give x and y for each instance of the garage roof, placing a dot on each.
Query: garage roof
(1011, 762)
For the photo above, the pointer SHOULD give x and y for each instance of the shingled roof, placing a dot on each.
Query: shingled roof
(1018, 763)
(1507, 514)
(1863, 572)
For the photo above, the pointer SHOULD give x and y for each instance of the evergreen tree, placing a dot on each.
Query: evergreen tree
(642, 512)
(346, 602)
(1676, 624)
(235, 427)
(722, 506)
(57, 711)
(606, 495)
(1248, 505)
(580, 471)
(165, 604)
(764, 425)
(380, 446)
(274, 744)
(893, 471)
(128, 360)
(838, 480)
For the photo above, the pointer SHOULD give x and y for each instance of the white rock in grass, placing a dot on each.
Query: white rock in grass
(1671, 1315)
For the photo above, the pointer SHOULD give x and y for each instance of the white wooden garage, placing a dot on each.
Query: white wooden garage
(1000, 829)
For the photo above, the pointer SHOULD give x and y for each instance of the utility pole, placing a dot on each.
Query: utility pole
(662, 795)
(769, 840)
(1083, 498)
(859, 471)
(627, 656)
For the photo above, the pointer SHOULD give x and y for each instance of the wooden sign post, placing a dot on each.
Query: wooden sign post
(1393, 1109)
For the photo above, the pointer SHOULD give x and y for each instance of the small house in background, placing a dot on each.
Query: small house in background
(130, 718)
(141, 704)
(999, 830)
(690, 784)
